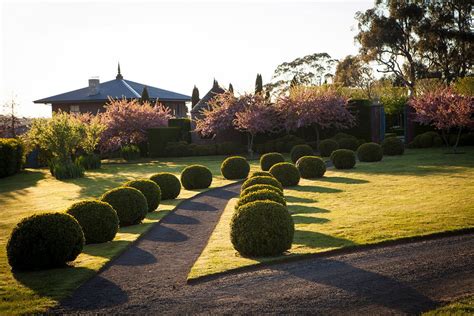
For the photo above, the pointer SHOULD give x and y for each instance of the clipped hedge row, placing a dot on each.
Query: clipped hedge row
(11, 156)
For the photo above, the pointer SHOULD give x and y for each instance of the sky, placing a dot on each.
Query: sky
(51, 47)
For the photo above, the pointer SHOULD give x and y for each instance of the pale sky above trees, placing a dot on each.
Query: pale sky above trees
(51, 47)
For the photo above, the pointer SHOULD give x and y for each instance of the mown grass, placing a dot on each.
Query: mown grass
(463, 306)
(35, 191)
(422, 192)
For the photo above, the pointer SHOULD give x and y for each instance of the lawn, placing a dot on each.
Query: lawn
(34, 191)
(422, 192)
(462, 306)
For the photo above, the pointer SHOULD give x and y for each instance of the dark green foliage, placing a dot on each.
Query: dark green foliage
(370, 152)
(11, 156)
(348, 143)
(195, 97)
(44, 241)
(362, 109)
(229, 148)
(258, 84)
(467, 139)
(261, 195)
(327, 146)
(169, 185)
(231, 88)
(235, 167)
(149, 189)
(393, 146)
(178, 149)
(261, 180)
(262, 228)
(130, 152)
(65, 170)
(258, 187)
(426, 139)
(196, 177)
(311, 167)
(343, 159)
(299, 151)
(89, 162)
(98, 220)
(261, 174)
(281, 144)
(145, 96)
(438, 141)
(185, 125)
(202, 150)
(430, 139)
(129, 203)
(269, 159)
(159, 137)
(286, 173)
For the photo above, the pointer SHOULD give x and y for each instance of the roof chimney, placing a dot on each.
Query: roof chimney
(94, 83)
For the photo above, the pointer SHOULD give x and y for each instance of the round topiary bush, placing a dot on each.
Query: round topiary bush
(392, 146)
(261, 195)
(286, 173)
(261, 174)
(262, 228)
(47, 240)
(343, 159)
(261, 180)
(311, 167)
(270, 159)
(235, 167)
(426, 140)
(327, 146)
(169, 185)
(99, 221)
(129, 203)
(196, 177)
(258, 187)
(350, 143)
(300, 151)
(370, 152)
(149, 189)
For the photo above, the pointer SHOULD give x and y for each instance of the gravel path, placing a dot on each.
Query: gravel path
(150, 277)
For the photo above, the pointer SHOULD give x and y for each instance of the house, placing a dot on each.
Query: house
(196, 111)
(93, 98)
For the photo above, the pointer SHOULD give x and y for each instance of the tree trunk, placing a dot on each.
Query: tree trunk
(445, 138)
(457, 140)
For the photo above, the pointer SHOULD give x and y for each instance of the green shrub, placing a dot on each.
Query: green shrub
(178, 149)
(370, 152)
(426, 140)
(343, 159)
(300, 151)
(65, 170)
(261, 180)
(196, 177)
(269, 159)
(89, 162)
(229, 148)
(262, 228)
(169, 185)
(287, 142)
(11, 156)
(311, 167)
(159, 137)
(340, 136)
(286, 173)
(438, 141)
(327, 146)
(130, 152)
(129, 203)
(185, 127)
(348, 143)
(235, 167)
(261, 195)
(258, 187)
(202, 150)
(149, 189)
(467, 139)
(98, 220)
(261, 174)
(43, 241)
(392, 146)
(313, 144)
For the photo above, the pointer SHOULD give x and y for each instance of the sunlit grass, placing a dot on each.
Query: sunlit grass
(463, 306)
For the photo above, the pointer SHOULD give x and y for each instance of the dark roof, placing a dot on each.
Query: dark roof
(204, 102)
(117, 88)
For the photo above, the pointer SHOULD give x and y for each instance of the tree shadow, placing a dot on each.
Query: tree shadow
(374, 287)
(315, 189)
(135, 257)
(179, 219)
(318, 240)
(309, 220)
(197, 206)
(342, 180)
(165, 234)
(223, 194)
(16, 183)
(297, 199)
(302, 209)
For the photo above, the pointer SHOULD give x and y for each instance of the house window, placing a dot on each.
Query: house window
(74, 109)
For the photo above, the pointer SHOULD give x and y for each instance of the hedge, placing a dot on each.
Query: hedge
(184, 124)
(159, 137)
(11, 156)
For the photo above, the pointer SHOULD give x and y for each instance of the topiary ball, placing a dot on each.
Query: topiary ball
(129, 203)
(261, 195)
(99, 221)
(47, 240)
(370, 152)
(311, 167)
(262, 228)
(149, 189)
(169, 185)
(261, 180)
(258, 187)
(268, 160)
(392, 146)
(261, 174)
(350, 143)
(300, 151)
(235, 167)
(286, 173)
(343, 159)
(426, 140)
(196, 177)
(327, 146)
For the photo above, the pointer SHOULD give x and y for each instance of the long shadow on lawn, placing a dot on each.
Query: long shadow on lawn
(20, 181)
(298, 219)
(374, 287)
(315, 189)
(342, 180)
(297, 199)
(318, 240)
(302, 209)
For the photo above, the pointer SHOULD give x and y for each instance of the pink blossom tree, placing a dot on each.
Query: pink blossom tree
(127, 122)
(312, 107)
(445, 110)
